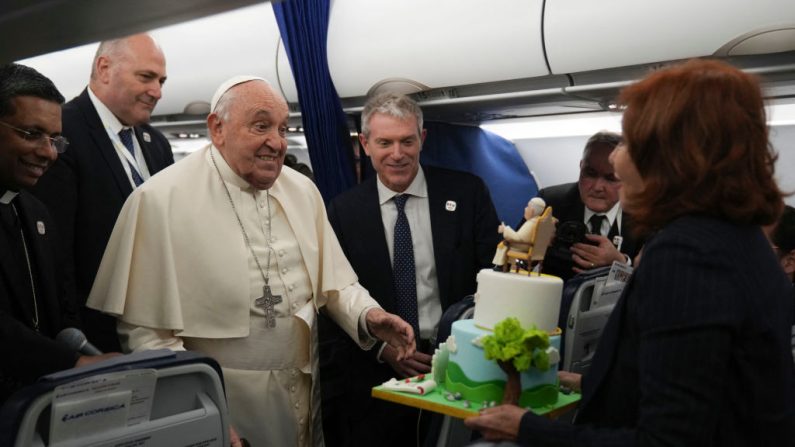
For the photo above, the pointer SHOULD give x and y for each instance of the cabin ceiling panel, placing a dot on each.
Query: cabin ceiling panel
(433, 43)
(43, 26)
(584, 35)
(200, 54)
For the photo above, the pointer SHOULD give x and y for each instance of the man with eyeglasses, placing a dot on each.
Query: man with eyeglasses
(112, 151)
(592, 201)
(34, 302)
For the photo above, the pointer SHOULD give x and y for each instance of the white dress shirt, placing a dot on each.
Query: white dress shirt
(429, 304)
(113, 126)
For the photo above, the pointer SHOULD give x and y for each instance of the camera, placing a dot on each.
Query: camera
(558, 261)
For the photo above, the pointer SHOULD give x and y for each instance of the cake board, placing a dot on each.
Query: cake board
(435, 401)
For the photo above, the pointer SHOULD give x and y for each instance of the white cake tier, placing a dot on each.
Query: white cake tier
(534, 300)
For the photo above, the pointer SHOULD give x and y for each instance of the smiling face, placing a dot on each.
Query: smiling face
(129, 79)
(250, 131)
(598, 183)
(393, 146)
(22, 162)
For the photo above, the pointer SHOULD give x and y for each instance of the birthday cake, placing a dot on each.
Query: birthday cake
(508, 352)
(535, 302)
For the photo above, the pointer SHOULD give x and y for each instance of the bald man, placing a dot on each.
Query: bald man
(112, 150)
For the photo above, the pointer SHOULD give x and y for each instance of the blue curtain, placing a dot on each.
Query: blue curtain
(489, 156)
(303, 25)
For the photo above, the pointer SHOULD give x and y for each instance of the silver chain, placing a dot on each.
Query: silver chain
(30, 272)
(265, 273)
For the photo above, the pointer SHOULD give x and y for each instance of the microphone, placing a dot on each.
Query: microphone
(75, 339)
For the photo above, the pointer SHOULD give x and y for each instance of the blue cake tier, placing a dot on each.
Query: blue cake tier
(478, 379)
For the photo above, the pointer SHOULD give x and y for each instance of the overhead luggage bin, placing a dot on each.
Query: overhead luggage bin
(583, 35)
(417, 44)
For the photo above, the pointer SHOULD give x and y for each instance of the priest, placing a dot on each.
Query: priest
(230, 254)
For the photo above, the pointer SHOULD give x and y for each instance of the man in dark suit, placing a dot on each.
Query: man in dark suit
(592, 201)
(112, 151)
(416, 237)
(34, 303)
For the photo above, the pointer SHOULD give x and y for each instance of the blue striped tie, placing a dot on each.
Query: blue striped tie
(126, 139)
(403, 268)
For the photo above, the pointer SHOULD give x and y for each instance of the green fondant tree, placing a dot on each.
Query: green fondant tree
(516, 349)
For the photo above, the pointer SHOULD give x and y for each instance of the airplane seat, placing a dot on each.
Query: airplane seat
(152, 398)
(462, 310)
(584, 310)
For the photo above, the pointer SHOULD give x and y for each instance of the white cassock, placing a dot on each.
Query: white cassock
(519, 240)
(178, 274)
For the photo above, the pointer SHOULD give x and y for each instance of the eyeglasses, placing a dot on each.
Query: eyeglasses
(34, 136)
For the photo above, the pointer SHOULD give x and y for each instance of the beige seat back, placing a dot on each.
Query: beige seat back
(544, 231)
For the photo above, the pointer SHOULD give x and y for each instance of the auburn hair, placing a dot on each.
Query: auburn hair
(698, 136)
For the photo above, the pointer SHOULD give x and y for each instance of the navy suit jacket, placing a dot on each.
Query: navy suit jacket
(464, 241)
(567, 206)
(696, 352)
(27, 354)
(85, 190)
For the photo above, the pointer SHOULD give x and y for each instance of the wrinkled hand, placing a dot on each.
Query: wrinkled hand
(415, 364)
(570, 380)
(588, 256)
(84, 360)
(393, 330)
(500, 423)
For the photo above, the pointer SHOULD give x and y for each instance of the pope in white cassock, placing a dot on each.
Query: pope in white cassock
(231, 255)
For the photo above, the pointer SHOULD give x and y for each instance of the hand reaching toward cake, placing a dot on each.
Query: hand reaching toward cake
(570, 380)
(393, 330)
(415, 364)
(500, 423)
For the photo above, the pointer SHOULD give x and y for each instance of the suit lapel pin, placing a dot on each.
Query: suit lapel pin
(40, 227)
(450, 205)
(147, 138)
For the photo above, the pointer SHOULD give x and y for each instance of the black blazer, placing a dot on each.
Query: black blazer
(696, 352)
(567, 206)
(85, 190)
(27, 354)
(464, 241)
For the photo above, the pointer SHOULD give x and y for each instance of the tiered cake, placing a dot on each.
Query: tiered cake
(535, 302)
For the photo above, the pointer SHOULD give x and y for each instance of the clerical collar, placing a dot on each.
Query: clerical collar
(418, 187)
(226, 171)
(8, 196)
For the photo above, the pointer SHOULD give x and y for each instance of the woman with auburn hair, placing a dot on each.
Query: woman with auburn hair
(697, 349)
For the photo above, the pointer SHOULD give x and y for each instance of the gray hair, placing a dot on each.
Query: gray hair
(392, 104)
(602, 138)
(113, 48)
(224, 104)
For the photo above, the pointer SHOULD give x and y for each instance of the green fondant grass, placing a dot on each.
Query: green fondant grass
(457, 381)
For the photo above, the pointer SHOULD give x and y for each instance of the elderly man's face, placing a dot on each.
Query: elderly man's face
(24, 160)
(253, 138)
(394, 148)
(598, 183)
(134, 80)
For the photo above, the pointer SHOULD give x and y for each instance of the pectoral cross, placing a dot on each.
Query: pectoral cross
(267, 302)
